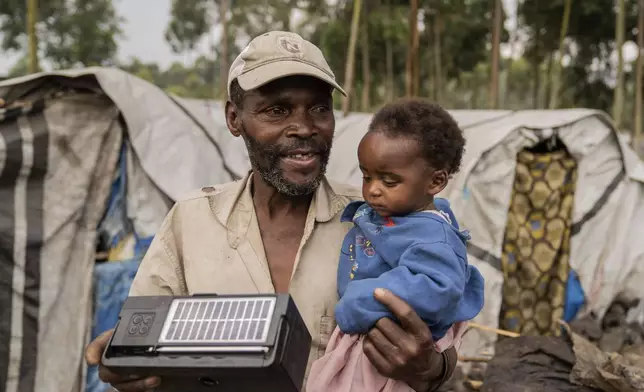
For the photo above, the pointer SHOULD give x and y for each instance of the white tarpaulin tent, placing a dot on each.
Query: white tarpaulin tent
(59, 151)
(60, 140)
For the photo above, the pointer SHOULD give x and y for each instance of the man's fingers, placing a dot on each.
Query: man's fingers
(403, 312)
(137, 386)
(381, 343)
(94, 350)
(401, 339)
(376, 358)
(107, 376)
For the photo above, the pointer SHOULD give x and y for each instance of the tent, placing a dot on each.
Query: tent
(91, 161)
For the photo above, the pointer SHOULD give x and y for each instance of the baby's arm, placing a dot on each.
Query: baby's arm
(431, 278)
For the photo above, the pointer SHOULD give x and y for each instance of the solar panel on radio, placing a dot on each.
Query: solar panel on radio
(212, 343)
(219, 320)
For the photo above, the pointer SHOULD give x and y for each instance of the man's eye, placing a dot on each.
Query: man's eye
(321, 109)
(366, 178)
(390, 183)
(276, 111)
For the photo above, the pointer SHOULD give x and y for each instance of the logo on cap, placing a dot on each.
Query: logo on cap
(289, 45)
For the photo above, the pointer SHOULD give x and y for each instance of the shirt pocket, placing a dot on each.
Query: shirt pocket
(327, 325)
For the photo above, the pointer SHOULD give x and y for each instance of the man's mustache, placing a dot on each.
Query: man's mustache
(315, 146)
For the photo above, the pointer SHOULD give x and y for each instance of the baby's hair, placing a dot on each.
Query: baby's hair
(441, 139)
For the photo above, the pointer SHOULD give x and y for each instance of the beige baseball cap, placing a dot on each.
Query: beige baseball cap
(277, 54)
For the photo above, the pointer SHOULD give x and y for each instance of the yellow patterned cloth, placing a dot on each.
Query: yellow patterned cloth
(536, 246)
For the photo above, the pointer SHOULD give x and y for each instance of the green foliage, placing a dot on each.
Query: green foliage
(589, 43)
(84, 32)
(71, 32)
(194, 81)
(188, 23)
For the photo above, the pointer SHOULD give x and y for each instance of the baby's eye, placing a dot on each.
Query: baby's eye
(390, 182)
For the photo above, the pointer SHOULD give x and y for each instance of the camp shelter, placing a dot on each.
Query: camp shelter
(89, 159)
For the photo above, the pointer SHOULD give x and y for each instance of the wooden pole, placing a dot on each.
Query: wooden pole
(637, 122)
(412, 52)
(223, 61)
(351, 55)
(32, 16)
(618, 97)
(556, 75)
(496, 54)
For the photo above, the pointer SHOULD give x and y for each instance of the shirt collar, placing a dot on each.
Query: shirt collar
(233, 206)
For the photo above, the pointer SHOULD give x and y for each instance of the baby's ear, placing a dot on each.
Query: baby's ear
(438, 182)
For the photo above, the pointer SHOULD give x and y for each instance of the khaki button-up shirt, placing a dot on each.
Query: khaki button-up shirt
(210, 243)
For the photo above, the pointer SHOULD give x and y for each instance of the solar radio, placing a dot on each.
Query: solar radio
(212, 343)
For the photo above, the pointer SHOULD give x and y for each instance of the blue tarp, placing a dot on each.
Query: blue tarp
(112, 279)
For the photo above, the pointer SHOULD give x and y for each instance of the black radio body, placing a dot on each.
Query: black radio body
(212, 343)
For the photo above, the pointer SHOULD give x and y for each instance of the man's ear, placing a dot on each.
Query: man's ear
(438, 182)
(232, 119)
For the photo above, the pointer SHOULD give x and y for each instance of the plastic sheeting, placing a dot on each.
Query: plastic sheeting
(57, 159)
(112, 281)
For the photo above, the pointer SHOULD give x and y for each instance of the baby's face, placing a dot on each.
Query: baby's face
(396, 178)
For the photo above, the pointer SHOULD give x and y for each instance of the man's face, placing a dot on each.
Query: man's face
(288, 128)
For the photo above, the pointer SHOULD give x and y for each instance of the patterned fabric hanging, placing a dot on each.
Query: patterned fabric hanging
(536, 247)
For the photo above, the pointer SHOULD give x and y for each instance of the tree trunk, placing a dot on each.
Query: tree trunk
(416, 62)
(637, 130)
(223, 61)
(429, 63)
(548, 86)
(618, 98)
(366, 65)
(412, 52)
(438, 59)
(496, 52)
(32, 16)
(556, 75)
(513, 46)
(536, 69)
(389, 54)
(351, 54)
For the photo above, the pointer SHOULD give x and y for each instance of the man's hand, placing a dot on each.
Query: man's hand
(132, 383)
(404, 352)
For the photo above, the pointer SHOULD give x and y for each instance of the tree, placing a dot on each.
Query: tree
(618, 98)
(350, 63)
(195, 80)
(189, 22)
(496, 54)
(590, 41)
(637, 130)
(225, 40)
(411, 88)
(32, 17)
(70, 32)
(366, 63)
(556, 76)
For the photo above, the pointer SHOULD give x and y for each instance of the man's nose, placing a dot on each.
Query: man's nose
(302, 124)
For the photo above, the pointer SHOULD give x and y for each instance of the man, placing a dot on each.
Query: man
(278, 229)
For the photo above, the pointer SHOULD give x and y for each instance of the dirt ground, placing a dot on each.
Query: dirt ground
(538, 363)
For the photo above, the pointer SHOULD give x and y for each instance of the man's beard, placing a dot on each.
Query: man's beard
(265, 160)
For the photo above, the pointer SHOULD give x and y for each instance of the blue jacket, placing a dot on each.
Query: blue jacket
(420, 257)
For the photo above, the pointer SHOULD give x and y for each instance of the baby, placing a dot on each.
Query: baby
(403, 240)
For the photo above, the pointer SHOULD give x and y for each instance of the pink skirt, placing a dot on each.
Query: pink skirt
(345, 368)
